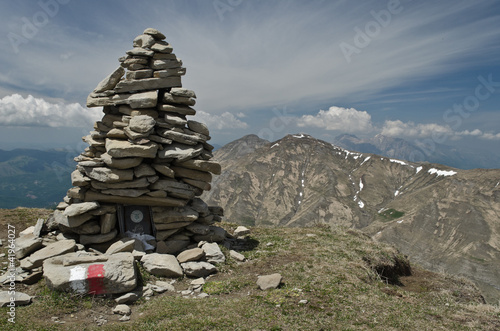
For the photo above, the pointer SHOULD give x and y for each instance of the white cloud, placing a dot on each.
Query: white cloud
(491, 136)
(475, 132)
(347, 120)
(223, 121)
(18, 111)
(417, 130)
(410, 129)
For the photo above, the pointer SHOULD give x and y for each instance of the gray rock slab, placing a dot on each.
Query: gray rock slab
(136, 183)
(142, 123)
(97, 238)
(181, 138)
(38, 227)
(171, 246)
(109, 175)
(144, 40)
(237, 256)
(198, 228)
(194, 254)
(137, 100)
(182, 92)
(198, 269)
(133, 193)
(164, 265)
(122, 245)
(241, 231)
(139, 74)
(213, 253)
(54, 249)
(180, 152)
(200, 206)
(19, 298)
(76, 209)
(178, 109)
(192, 174)
(26, 245)
(268, 282)
(162, 47)
(110, 82)
(139, 51)
(164, 170)
(115, 275)
(149, 83)
(122, 163)
(123, 148)
(173, 215)
(127, 298)
(198, 184)
(174, 188)
(161, 287)
(90, 227)
(201, 165)
(198, 127)
(107, 223)
(27, 231)
(216, 234)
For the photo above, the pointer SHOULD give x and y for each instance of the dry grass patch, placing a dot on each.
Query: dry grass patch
(333, 269)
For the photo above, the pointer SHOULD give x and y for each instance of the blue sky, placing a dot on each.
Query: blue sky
(411, 69)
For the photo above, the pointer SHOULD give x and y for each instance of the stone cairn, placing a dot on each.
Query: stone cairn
(143, 152)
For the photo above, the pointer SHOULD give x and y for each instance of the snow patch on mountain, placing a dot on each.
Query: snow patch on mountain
(444, 173)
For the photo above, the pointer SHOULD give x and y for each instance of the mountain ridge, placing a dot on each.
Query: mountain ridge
(302, 181)
(418, 151)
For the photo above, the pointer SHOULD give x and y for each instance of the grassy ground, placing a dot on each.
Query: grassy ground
(333, 269)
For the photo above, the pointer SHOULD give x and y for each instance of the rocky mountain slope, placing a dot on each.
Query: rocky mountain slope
(443, 218)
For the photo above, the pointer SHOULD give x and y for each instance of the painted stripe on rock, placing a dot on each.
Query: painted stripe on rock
(95, 278)
(77, 279)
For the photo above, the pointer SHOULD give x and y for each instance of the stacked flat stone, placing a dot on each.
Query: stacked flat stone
(144, 151)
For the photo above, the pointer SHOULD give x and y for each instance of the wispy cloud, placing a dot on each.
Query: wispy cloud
(263, 53)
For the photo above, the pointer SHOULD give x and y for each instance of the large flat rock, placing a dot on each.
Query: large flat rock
(147, 84)
(76, 209)
(164, 265)
(143, 200)
(198, 269)
(180, 152)
(26, 245)
(19, 298)
(54, 249)
(106, 275)
(109, 175)
(137, 100)
(123, 148)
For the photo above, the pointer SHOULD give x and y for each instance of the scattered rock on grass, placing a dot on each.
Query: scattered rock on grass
(269, 281)
(122, 310)
(241, 231)
(237, 256)
(20, 299)
(198, 269)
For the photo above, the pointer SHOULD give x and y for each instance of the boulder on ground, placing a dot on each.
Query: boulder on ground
(213, 253)
(198, 269)
(107, 275)
(19, 298)
(164, 265)
(269, 281)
